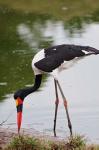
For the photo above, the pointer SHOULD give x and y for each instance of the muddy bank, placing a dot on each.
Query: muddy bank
(6, 134)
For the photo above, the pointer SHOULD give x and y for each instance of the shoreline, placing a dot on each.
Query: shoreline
(7, 134)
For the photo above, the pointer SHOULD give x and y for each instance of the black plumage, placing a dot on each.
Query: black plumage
(56, 55)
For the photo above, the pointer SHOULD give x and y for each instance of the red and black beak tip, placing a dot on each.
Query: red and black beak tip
(19, 106)
(19, 120)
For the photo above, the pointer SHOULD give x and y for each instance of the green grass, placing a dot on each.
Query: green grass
(59, 9)
(30, 143)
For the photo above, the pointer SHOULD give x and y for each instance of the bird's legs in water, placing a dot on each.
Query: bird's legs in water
(56, 106)
(66, 108)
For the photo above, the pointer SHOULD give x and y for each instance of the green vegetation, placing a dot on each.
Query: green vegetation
(28, 143)
(17, 48)
(59, 9)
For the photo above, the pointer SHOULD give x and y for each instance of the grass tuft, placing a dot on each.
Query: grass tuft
(29, 143)
(76, 142)
(24, 143)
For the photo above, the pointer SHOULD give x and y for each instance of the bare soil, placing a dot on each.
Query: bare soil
(5, 136)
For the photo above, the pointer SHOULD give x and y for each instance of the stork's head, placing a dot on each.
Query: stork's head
(20, 95)
(19, 98)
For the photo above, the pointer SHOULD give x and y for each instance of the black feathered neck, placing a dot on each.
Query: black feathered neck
(22, 93)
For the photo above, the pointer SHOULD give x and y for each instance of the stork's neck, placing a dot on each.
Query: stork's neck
(36, 85)
(26, 91)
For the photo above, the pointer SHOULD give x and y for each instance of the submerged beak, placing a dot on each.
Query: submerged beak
(19, 106)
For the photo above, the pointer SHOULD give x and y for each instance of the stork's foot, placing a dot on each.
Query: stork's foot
(54, 133)
(70, 128)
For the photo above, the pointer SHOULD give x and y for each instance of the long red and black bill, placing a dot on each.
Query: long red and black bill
(19, 106)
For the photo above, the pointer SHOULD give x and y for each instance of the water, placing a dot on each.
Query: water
(24, 34)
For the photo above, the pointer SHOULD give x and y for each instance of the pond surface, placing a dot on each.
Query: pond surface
(22, 36)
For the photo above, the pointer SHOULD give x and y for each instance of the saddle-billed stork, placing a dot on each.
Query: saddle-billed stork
(52, 60)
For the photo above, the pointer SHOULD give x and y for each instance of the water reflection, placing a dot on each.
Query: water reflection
(23, 34)
(62, 36)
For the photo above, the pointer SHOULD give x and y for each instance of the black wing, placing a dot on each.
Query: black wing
(56, 55)
(70, 50)
(48, 64)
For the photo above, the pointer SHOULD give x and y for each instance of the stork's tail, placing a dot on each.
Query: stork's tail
(92, 50)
